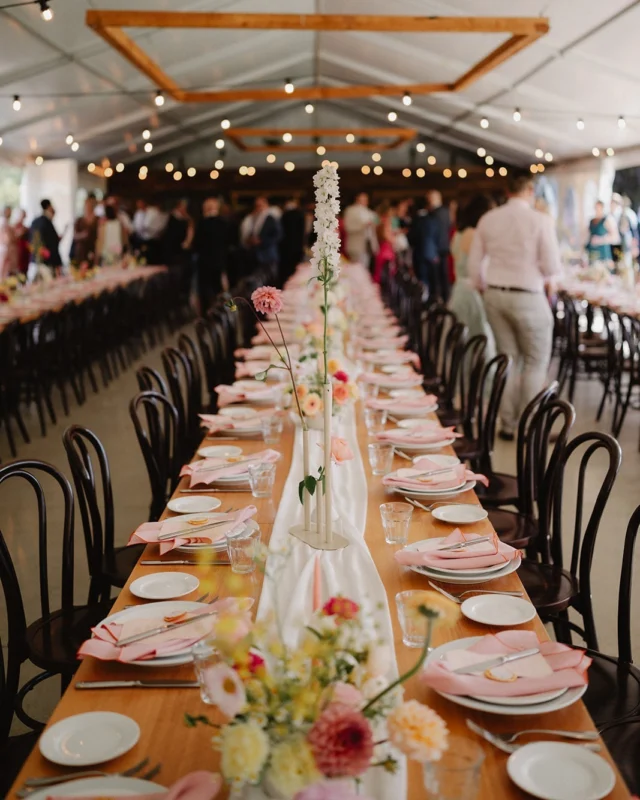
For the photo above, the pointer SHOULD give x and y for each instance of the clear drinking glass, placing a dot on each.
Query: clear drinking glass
(395, 521)
(205, 656)
(412, 623)
(272, 428)
(261, 478)
(375, 419)
(243, 551)
(457, 775)
(380, 458)
(368, 389)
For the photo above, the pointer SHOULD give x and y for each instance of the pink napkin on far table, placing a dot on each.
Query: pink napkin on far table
(199, 785)
(403, 380)
(392, 357)
(148, 532)
(106, 635)
(249, 369)
(485, 554)
(555, 667)
(422, 435)
(216, 422)
(408, 403)
(382, 343)
(202, 472)
(232, 394)
(404, 479)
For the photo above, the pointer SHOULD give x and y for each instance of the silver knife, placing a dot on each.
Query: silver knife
(138, 637)
(137, 685)
(221, 562)
(467, 543)
(221, 466)
(498, 661)
(220, 489)
(188, 532)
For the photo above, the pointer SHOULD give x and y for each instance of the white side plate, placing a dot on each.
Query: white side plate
(99, 787)
(460, 514)
(501, 610)
(91, 738)
(220, 451)
(196, 504)
(164, 585)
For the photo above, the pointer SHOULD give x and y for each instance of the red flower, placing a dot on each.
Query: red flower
(44, 252)
(341, 607)
(255, 664)
(341, 741)
(341, 375)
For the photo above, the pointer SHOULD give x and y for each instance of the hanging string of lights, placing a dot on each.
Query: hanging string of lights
(45, 10)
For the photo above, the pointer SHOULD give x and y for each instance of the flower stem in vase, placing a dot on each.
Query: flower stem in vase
(319, 514)
(306, 498)
(328, 511)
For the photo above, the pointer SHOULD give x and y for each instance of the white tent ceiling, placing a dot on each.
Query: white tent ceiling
(69, 80)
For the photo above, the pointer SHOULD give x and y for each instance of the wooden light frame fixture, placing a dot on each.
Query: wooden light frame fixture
(109, 25)
(397, 136)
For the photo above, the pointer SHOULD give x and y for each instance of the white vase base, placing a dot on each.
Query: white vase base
(313, 539)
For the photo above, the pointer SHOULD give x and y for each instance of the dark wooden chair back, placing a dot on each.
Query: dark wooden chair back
(490, 391)
(471, 367)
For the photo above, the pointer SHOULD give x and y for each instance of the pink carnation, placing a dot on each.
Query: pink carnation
(347, 695)
(267, 300)
(341, 741)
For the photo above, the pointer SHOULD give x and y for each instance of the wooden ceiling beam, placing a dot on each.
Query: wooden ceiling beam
(314, 93)
(406, 133)
(293, 148)
(397, 137)
(505, 51)
(524, 26)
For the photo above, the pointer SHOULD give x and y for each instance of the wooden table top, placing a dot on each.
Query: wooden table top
(160, 712)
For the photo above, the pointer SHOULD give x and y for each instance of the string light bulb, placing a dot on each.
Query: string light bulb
(289, 166)
(148, 147)
(484, 122)
(219, 164)
(611, 151)
(421, 147)
(595, 152)
(431, 160)
(309, 108)
(168, 167)
(177, 175)
(75, 147)
(225, 124)
(365, 169)
(159, 99)
(146, 134)
(406, 172)
(242, 170)
(120, 167)
(271, 158)
(214, 174)
(488, 160)
(69, 139)
(533, 168)
(287, 137)
(376, 156)
(321, 150)
(517, 116)
(406, 99)
(580, 124)
(462, 172)
(17, 105)
(538, 153)
(350, 138)
(622, 123)
(108, 172)
(251, 171)
(288, 86)
(481, 152)
(191, 172)
(39, 161)
(447, 172)
(548, 157)
(489, 172)
(378, 170)
(219, 143)
(503, 171)
(91, 167)
(420, 173)
(45, 11)
(392, 116)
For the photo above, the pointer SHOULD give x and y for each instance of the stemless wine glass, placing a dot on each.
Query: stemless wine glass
(412, 622)
(395, 521)
(272, 428)
(205, 656)
(261, 478)
(380, 458)
(375, 419)
(243, 551)
(456, 776)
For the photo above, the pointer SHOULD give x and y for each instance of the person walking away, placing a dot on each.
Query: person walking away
(513, 254)
(359, 227)
(465, 301)
(438, 230)
(210, 249)
(44, 237)
(603, 233)
(292, 223)
(112, 238)
(260, 234)
(85, 235)
(178, 235)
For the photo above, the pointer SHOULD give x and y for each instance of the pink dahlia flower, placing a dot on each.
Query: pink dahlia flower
(341, 741)
(267, 300)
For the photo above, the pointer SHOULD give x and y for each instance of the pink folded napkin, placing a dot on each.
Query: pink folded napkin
(249, 369)
(104, 644)
(422, 435)
(232, 394)
(263, 351)
(403, 380)
(410, 403)
(199, 785)
(216, 422)
(202, 471)
(382, 343)
(555, 667)
(479, 556)
(148, 532)
(392, 357)
(405, 479)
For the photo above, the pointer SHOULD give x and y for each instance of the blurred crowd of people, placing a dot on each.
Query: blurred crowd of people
(614, 235)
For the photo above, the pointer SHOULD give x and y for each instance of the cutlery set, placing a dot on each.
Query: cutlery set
(430, 508)
(32, 784)
(505, 742)
(457, 597)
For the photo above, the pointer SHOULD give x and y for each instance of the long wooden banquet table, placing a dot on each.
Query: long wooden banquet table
(160, 712)
(34, 301)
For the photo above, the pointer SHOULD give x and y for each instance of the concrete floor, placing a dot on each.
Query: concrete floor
(107, 414)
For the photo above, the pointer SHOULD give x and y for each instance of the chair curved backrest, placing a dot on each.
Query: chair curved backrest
(490, 391)
(451, 363)
(472, 365)
(91, 476)
(524, 424)
(190, 350)
(150, 380)
(436, 326)
(625, 653)
(159, 444)
(209, 335)
(581, 449)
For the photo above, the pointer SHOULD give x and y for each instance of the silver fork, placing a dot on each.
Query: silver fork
(402, 454)
(496, 741)
(70, 776)
(584, 736)
(456, 597)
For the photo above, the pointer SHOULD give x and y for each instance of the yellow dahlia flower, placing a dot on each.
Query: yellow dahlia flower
(245, 749)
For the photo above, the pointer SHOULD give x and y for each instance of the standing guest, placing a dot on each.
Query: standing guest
(453, 227)
(155, 222)
(359, 227)
(8, 245)
(292, 223)
(178, 235)
(139, 216)
(85, 235)
(513, 254)
(603, 232)
(112, 238)
(44, 236)
(260, 233)
(401, 224)
(386, 239)
(627, 222)
(465, 301)
(439, 230)
(22, 239)
(210, 249)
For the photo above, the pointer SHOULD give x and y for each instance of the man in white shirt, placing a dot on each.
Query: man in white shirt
(513, 255)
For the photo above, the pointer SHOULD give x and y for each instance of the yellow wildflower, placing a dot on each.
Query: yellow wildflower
(245, 749)
(292, 767)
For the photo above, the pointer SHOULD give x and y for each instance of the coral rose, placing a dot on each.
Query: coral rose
(341, 394)
(340, 450)
(340, 607)
(341, 741)
(267, 300)
(312, 404)
(417, 731)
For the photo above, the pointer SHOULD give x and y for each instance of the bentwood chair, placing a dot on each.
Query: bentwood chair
(554, 590)
(437, 322)
(467, 381)
(150, 380)
(452, 355)
(185, 389)
(209, 337)
(188, 347)
(108, 565)
(157, 427)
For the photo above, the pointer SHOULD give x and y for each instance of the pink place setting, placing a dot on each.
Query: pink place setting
(381, 343)
(487, 553)
(193, 531)
(390, 357)
(419, 436)
(248, 422)
(249, 369)
(426, 403)
(403, 380)
(261, 394)
(211, 470)
(433, 481)
(200, 785)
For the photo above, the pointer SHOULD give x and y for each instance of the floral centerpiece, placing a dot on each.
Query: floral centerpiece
(310, 387)
(320, 711)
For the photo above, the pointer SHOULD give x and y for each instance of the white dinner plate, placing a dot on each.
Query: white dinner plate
(417, 422)
(525, 700)
(90, 738)
(237, 412)
(567, 697)
(560, 771)
(164, 585)
(435, 575)
(405, 381)
(160, 610)
(406, 412)
(427, 545)
(440, 460)
(460, 514)
(432, 497)
(435, 491)
(421, 447)
(195, 504)
(500, 610)
(220, 451)
(396, 369)
(112, 786)
(407, 393)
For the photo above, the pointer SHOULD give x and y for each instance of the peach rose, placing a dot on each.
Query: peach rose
(312, 404)
(340, 450)
(341, 394)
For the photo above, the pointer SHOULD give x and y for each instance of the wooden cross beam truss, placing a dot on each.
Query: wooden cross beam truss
(363, 139)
